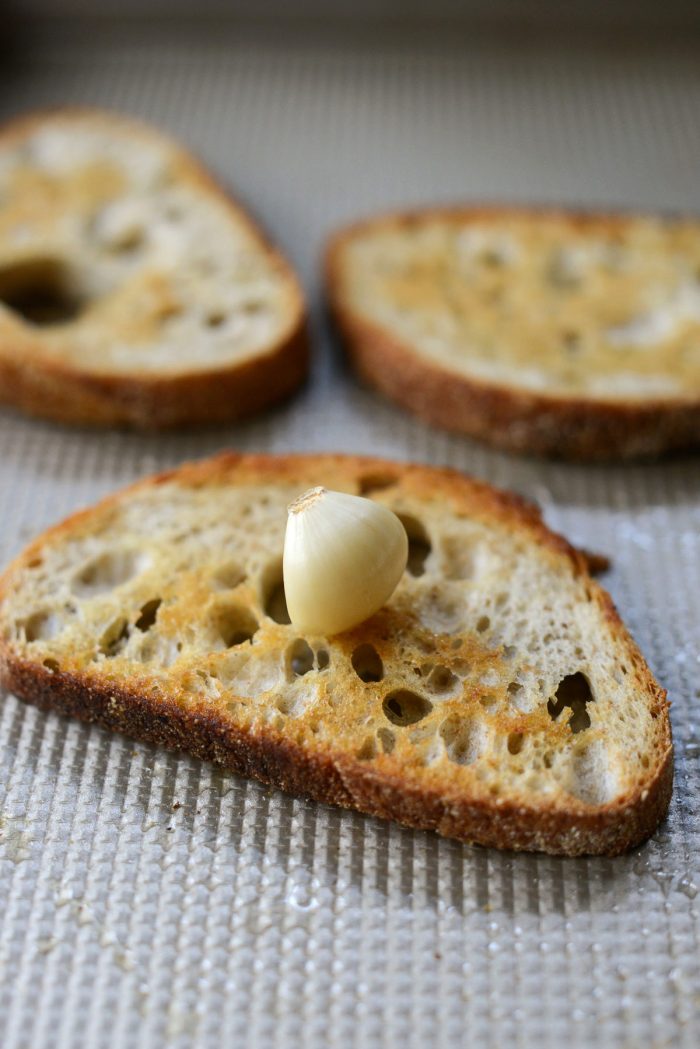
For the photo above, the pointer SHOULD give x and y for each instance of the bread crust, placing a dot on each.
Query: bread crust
(56, 390)
(53, 390)
(335, 779)
(583, 429)
(333, 776)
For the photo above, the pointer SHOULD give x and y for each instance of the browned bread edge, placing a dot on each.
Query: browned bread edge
(578, 429)
(336, 780)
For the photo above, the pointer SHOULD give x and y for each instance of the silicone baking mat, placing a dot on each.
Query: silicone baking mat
(147, 899)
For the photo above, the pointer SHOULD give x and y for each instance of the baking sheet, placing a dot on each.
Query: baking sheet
(147, 899)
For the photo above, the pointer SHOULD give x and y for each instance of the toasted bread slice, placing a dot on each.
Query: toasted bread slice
(497, 698)
(562, 334)
(132, 290)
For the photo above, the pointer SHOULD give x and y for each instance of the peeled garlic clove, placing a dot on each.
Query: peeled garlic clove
(343, 556)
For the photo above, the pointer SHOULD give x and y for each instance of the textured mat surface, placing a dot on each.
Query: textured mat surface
(148, 900)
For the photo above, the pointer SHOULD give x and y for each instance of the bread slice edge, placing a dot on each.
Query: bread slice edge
(337, 780)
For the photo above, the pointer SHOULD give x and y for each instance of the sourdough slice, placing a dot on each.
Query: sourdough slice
(497, 698)
(132, 289)
(557, 333)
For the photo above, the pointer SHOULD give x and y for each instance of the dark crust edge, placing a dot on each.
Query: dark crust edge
(332, 777)
(509, 418)
(66, 394)
(335, 779)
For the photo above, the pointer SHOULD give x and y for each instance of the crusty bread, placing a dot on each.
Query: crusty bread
(132, 290)
(562, 334)
(497, 698)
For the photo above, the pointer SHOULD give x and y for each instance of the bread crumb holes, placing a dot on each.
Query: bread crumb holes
(403, 707)
(367, 663)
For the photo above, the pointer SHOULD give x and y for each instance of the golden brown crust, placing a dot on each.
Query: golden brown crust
(59, 391)
(63, 394)
(337, 780)
(334, 776)
(575, 428)
(597, 563)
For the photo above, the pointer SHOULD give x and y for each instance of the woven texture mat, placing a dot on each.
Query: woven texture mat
(147, 899)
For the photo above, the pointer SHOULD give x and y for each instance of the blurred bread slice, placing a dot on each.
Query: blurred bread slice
(562, 334)
(133, 290)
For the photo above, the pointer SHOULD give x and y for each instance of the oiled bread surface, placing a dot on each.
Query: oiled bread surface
(549, 331)
(496, 698)
(132, 289)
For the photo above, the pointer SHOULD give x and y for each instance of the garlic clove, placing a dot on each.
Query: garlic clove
(343, 557)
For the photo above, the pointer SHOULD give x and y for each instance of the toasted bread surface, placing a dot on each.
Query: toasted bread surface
(133, 290)
(497, 697)
(557, 333)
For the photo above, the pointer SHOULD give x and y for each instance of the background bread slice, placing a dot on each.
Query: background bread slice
(550, 332)
(497, 698)
(133, 290)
